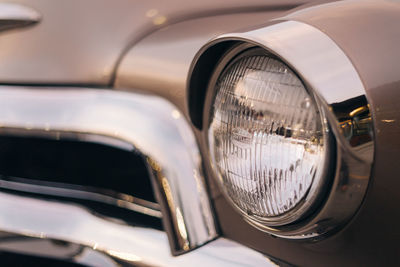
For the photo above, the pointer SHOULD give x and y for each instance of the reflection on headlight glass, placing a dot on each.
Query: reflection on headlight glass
(265, 136)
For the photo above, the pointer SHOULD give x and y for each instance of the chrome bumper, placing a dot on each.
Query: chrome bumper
(153, 127)
(91, 240)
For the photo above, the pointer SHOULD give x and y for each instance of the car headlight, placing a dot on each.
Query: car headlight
(268, 139)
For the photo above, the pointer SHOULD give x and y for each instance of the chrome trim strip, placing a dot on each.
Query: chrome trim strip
(136, 246)
(332, 78)
(151, 124)
(124, 201)
(14, 15)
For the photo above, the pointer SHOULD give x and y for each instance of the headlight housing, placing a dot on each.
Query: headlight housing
(343, 149)
(268, 139)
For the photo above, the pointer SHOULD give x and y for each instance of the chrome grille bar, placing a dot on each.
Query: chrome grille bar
(151, 124)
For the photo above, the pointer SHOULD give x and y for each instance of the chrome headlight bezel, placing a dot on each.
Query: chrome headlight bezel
(328, 73)
(316, 193)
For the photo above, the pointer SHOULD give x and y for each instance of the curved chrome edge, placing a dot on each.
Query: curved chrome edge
(120, 200)
(151, 124)
(329, 74)
(95, 241)
(14, 15)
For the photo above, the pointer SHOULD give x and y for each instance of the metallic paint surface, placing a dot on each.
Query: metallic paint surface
(368, 32)
(81, 42)
(151, 124)
(159, 64)
(95, 241)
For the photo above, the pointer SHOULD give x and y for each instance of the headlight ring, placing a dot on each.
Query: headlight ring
(269, 142)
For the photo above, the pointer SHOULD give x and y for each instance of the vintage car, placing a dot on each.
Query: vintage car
(199, 133)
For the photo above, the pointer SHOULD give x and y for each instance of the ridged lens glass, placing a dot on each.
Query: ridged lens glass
(266, 136)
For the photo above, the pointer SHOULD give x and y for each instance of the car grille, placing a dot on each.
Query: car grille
(110, 180)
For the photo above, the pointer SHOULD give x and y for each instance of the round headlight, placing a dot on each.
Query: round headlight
(267, 139)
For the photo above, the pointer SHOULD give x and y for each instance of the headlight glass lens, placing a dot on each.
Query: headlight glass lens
(266, 137)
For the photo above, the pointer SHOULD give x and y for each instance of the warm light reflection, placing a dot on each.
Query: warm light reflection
(178, 214)
(358, 110)
(167, 191)
(35, 235)
(181, 226)
(346, 123)
(154, 165)
(175, 114)
(159, 20)
(151, 13)
(124, 255)
(356, 176)
(29, 126)
(127, 198)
